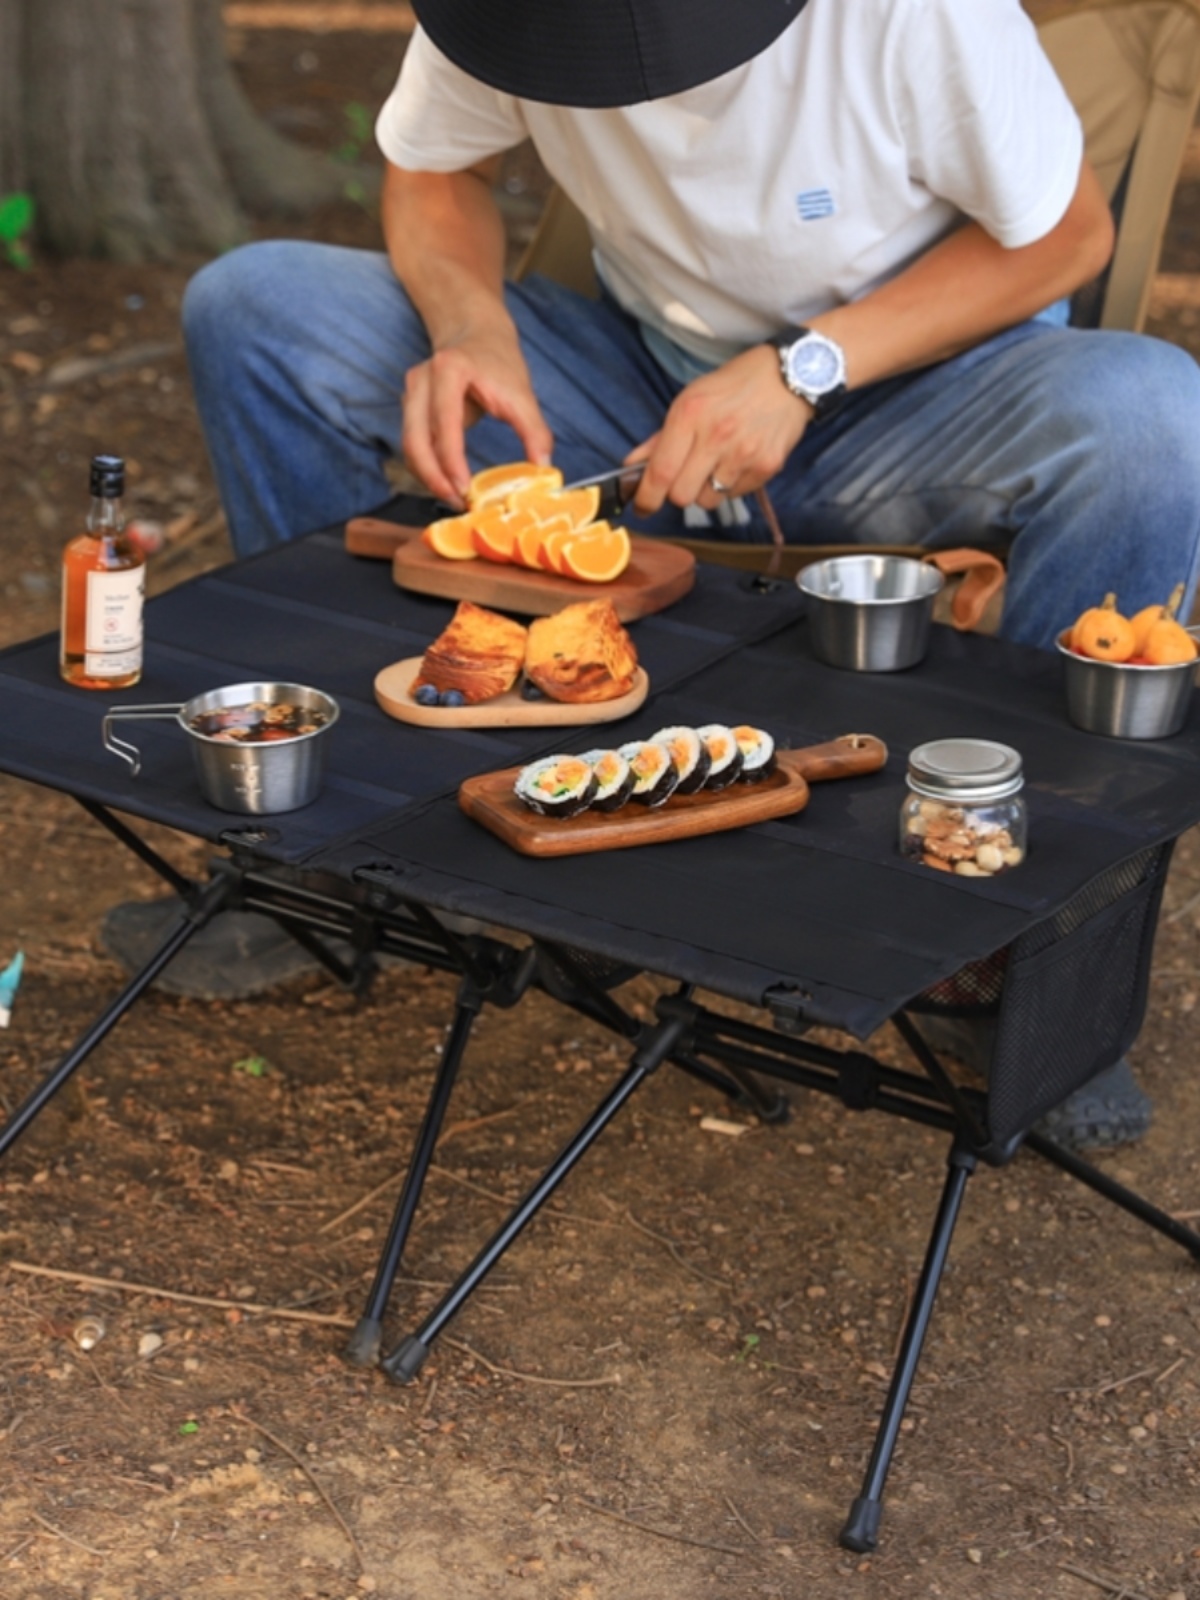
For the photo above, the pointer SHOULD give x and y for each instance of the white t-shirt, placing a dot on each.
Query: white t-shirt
(796, 182)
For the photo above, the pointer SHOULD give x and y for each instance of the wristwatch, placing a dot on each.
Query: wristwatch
(814, 367)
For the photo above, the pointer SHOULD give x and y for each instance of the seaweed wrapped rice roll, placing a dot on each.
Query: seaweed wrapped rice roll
(556, 786)
(614, 779)
(758, 753)
(687, 751)
(655, 777)
(724, 755)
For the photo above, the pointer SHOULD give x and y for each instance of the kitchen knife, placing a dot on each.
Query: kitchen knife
(617, 486)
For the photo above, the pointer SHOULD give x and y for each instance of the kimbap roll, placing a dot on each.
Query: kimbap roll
(725, 758)
(758, 753)
(687, 751)
(556, 786)
(614, 779)
(655, 777)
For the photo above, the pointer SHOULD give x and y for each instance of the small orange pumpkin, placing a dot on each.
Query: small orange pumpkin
(1146, 618)
(1168, 644)
(1103, 633)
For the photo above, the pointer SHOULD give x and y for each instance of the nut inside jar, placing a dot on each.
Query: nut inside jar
(972, 841)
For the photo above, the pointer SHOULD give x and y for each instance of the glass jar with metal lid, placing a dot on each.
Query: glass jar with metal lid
(964, 812)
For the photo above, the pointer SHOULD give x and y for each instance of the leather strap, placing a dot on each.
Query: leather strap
(983, 577)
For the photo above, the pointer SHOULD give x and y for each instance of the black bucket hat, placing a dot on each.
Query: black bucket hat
(602, 52)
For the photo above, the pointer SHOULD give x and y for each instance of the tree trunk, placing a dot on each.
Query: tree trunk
(12, 154)
(124, 121)
(268, 172)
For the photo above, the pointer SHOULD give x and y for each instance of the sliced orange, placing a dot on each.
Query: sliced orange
(581, 505)
(497, 483)
(452, 537)
(551, 553)
(532, 537)
(597, 555)
(495, 530)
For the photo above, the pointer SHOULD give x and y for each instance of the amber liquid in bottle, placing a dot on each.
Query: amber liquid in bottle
(103, 584)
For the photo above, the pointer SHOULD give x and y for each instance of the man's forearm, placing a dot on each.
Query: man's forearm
(445, 240)
(967, 288)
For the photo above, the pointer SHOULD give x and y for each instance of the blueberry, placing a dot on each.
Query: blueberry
(426, 695)
(452, 697)
(530, 691)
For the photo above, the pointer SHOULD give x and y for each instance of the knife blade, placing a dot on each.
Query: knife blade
(617, 486)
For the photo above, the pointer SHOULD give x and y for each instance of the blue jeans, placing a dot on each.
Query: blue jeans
(1079, 452)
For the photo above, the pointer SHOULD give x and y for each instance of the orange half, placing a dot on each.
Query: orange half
(497, 483)
(598, 555)
(452, 537)
(545, 501)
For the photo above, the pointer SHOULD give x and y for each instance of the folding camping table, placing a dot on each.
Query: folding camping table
(814, 919)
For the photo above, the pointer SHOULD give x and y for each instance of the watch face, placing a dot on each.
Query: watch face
(815, 365)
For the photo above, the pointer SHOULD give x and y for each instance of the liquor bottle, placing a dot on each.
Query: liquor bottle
(103, 585)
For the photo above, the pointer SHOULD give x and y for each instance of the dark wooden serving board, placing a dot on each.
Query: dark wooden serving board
(377, 538)
(657, 575)
(490, 801)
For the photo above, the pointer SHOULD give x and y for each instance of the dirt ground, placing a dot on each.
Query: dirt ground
(669, 1388)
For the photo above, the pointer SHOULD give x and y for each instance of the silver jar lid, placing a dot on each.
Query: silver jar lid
(965, 770)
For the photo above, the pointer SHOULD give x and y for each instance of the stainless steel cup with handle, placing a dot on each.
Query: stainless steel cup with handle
(255, 779)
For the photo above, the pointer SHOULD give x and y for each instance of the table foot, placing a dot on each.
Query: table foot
(656, 1046)
(362, 1347)
(861, 1532)
(406, 1360)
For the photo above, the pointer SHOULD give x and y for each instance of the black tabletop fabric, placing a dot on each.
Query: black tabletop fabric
(821, 902)
(309, 613)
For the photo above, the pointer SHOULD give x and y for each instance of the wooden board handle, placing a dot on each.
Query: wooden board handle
(372, 536)
(849, 756)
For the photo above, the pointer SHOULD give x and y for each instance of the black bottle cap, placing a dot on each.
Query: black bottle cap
(108, 477)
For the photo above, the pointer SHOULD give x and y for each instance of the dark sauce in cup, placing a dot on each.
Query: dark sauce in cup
(258, 722)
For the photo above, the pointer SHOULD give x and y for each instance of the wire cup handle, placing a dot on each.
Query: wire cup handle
(122, 747)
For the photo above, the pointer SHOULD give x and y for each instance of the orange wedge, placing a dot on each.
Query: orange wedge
(551, 554)
(494, 532)
(545, 501)
(497, 483)
(532, 537)
(597, 555)
(452, 537)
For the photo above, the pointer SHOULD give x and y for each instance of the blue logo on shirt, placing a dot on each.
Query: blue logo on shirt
(813, 204)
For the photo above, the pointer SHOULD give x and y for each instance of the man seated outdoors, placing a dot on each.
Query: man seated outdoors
(835, 239)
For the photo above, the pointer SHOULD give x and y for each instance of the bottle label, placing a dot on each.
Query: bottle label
(113, 637)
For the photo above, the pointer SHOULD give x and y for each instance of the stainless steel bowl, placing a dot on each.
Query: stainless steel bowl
(870, 613)
(256, 779)
(1125, 702)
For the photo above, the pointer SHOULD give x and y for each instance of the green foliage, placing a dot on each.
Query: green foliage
(253, 1066)
(358, 131)
(16, 219)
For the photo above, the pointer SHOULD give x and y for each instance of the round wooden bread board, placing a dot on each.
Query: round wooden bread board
(508, 710)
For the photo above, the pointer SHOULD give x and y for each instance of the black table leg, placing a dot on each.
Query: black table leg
(861, 1532)
(407, 1359)
(363, 1346)
(191, 919)
(1127, 1199)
